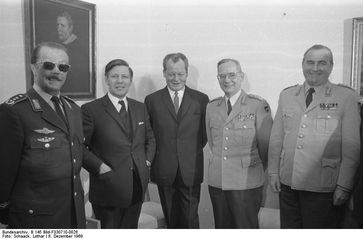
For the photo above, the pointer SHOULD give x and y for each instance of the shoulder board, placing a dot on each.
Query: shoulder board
(69, 99)
(291, 87)
(345, 86)
(218, 98)
(257, 97)
(16, 99)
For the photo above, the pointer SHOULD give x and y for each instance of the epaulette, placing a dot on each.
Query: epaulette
(16, 99)
(291, 87)
(218, 98)
(257, 97)
(345, 86)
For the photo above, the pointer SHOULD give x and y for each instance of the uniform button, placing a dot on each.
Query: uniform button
(31, 211)
(74, 160)
(227, 128)
(244, 126)
(46, 145)
(226, 138)
(305, 116)
(303, 126)
(225, 148)
(75, 193)
(131, 168)
(72, 144)
(301, 136)
(74, 176)
(328, 116)
(224, 158)
(300, 147)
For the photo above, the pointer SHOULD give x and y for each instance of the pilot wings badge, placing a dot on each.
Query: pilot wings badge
(44, 131)
(46, 139)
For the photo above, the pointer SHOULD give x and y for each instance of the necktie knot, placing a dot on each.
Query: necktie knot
(309, 97)
(122, 103)
(55, 99)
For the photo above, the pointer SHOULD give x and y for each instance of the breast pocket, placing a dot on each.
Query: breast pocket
(288, 120)
(245, 132)
(43, 150)
(327, 123)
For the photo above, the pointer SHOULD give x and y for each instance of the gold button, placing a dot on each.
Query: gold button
(301, 136)
(75, 193)
(72, 143)
(74, 160)
(226, 138)
(303, 126)
(225, 148)
(244, 126)
(300, 147)
(31, 211)
(328, 116)
(225, 158)
(227, 128)
(47, 145)
(305, 116)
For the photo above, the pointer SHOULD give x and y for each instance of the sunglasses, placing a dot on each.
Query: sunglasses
(47, 65)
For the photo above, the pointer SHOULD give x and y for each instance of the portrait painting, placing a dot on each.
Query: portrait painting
(72, 24)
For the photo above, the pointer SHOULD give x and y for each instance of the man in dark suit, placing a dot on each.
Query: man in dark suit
(41, 149)
(358, 192)
(177, 116)
(118, 133)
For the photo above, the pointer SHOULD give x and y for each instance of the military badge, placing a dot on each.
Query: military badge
(46, 139)
(328, 106)
(249, 116)
(267, 108)
(44, 131)
(36, 105)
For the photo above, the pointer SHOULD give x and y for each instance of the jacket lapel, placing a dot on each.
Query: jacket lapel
(111, 110)
(300, 97)
(237, 107)
(132, 113)
(69, 114)
(168, 103)
(48, 114)
(185, 104)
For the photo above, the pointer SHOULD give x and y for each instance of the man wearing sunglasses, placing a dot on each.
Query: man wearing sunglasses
(238, 130)
(41, 149)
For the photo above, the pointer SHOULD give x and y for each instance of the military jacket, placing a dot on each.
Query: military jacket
(316, 148)
(41, 159)
(238, 141)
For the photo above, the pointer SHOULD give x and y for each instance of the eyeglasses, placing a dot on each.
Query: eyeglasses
(230, 75)
(47, 65)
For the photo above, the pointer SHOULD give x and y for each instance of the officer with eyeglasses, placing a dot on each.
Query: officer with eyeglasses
(41, 149)
(238, 130)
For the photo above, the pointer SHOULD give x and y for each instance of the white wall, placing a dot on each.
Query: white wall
(268, 38)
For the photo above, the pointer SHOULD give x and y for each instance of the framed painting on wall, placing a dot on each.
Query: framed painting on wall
(357, 56)
(71, 23)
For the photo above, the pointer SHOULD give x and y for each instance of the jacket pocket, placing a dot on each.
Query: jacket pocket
(329, 174)
(250, 162)
(287, 119)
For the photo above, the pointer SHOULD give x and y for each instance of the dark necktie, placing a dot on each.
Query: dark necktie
(124, 116)
(309, 97)
(229, 109)
(58, 110)
(176, 102)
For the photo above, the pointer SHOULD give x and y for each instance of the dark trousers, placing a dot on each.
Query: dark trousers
(303, 209)
(180, 204)
(235, 208)
(122, 218)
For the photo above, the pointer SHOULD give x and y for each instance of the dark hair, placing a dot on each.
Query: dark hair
(320, 47)
(118, 62)
(175, 57)
(67, 16)
(230, 60)
(36, 50)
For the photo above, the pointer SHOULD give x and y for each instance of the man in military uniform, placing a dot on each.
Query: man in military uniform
(314, 146)
(238, 130)
(41, 149)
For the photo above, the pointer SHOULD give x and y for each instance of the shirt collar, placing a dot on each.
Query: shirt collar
(318, 89)
(115, 101)
(180, 93)
(47, 97)
(234, 98)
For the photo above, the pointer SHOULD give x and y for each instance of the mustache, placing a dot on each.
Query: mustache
(53, 77)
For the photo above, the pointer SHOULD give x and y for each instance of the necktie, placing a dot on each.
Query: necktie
(176, 102)
(309, 97)
(58, 110)
(229, 109)
(124, 116)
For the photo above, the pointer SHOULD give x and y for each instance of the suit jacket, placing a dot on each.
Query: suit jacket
(180, 138)
(316, 148)
(358, 193)
(107, 140)
(40, 163)
(239, 142)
